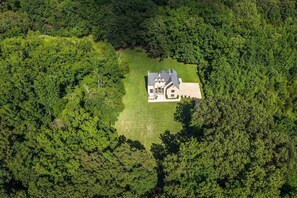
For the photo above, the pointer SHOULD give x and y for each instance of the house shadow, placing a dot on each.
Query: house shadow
(145, 83)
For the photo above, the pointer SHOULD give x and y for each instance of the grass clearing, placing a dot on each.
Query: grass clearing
(141, 120)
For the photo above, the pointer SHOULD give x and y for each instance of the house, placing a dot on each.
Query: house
(166, 86)
(163, 85)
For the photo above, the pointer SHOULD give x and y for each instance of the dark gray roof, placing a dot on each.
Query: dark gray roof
(170, 76)
(174, 78)
(151, 78)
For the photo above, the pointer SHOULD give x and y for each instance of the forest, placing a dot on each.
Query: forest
(61, 92)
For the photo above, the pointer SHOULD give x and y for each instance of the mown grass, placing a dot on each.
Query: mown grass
(141, 120)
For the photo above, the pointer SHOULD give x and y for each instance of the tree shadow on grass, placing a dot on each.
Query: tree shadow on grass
(145, 83)
(132, 143)
(136, 144)
(184, 111)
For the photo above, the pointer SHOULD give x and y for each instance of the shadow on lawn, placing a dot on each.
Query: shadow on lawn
(132, 143)
(145, 82)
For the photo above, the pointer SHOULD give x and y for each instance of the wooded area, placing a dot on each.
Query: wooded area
(61, 93)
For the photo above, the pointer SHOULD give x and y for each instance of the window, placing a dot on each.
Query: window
(172, 91)
(172, 95)
(151, 90)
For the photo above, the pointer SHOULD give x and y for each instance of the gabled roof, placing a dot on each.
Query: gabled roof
(151, 78)
(170, 76)
(174, 77)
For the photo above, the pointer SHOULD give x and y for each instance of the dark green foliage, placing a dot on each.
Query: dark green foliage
(118, 21)
(13, 24)
(59, 99)
(233, 151)
(239, 48)
(121, 21)
(6, 5)
(64, 18)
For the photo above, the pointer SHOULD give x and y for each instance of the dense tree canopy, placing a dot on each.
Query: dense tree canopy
(13, 24)
(61, 93)
(59, 98)
(230, 149)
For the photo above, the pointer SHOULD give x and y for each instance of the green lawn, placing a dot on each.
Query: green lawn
(141, 120)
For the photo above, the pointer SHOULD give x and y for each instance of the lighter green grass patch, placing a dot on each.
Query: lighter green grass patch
(141, 120)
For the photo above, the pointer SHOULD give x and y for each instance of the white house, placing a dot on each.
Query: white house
(168, 87)
(163, 85)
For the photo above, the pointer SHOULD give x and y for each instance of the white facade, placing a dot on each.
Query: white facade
(168, 87)
(161, 85)
(172, 91)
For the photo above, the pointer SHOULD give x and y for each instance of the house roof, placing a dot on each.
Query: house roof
(174, 77)
(151, 79)
(170, 76)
